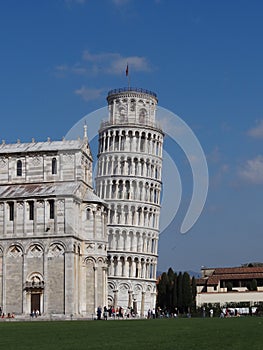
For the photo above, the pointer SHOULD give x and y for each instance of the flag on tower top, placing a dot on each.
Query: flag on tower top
(127, 70)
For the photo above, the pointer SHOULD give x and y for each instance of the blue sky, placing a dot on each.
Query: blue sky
(59, 58)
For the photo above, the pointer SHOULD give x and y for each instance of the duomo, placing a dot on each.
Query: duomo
(68, 247)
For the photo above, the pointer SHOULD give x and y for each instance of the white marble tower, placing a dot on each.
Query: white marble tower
(129, 180)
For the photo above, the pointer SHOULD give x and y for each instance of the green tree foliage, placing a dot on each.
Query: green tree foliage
(169, 290)
(162, 291)
(180, 292)
(176, 293)
(194, 291)
(186, 292)
(229, 286)
(254, 284)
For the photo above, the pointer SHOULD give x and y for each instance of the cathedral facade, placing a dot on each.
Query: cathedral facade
(53, 239)
(64, 248)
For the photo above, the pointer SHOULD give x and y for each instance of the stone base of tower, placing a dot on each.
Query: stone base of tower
(132, 295)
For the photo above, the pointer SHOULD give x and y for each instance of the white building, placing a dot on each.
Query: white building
(129, 180)
(227, 285)
(53, 239)
(60, 243)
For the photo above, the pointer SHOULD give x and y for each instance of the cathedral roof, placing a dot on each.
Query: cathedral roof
(39, 190)
(64, 145)
(90, 196)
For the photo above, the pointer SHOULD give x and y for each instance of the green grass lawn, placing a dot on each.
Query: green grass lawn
(179, 334)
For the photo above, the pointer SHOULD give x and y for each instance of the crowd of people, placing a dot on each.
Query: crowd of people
(8, 315)
(113, 313)
(35, 313)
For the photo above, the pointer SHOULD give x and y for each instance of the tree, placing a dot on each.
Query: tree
(180, 292)
(229, 286)
(186, 292)
(252, 285)
(194, 292)
(174, 293)
(162, 291)
(169, 290)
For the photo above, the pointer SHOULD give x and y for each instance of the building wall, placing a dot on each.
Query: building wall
(37, 167)
(129, 180)
(229, 297)
(53, 238)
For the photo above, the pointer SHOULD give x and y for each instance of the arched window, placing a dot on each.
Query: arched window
(51, 209)
(31, 210)
(19, 168)
(88, 214)
(54, 166)
(11, 211)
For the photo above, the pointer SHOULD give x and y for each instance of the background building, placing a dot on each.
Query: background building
(226, 285)
(129, 180)
(53, 239)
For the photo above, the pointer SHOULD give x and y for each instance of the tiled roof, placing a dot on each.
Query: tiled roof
(212, 280)
(48, 189)
(90, 196)
(238, 270)
(201, 281)
(232, 273)
(41, 146)
(38, 190)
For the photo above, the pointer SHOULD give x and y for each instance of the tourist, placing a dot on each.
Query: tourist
(149, 314)
(105, 313)
(99, 311)
(204, 312)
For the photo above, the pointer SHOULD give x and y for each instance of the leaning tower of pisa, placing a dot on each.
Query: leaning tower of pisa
(129, 179)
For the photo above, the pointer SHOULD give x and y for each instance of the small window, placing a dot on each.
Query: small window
(11, 211)
(88, 214)
(19, 168)
(31, 210)
(54, 166)
(51, 209)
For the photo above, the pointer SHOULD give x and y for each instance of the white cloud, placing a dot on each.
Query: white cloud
(214, 156)
(62, 68)
(252, 170)
(79, 69)
(88, 94)
(104, 63)
(219, 175)
(135, 63)
(115, 63)
(257, 131)
(120, 2)
(98, 57)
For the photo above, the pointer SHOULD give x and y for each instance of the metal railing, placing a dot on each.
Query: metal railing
(127, 89)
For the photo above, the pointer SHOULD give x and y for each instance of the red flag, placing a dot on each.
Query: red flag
(127, 70)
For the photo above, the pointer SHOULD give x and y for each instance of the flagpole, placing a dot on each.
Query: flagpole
(128, 76)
